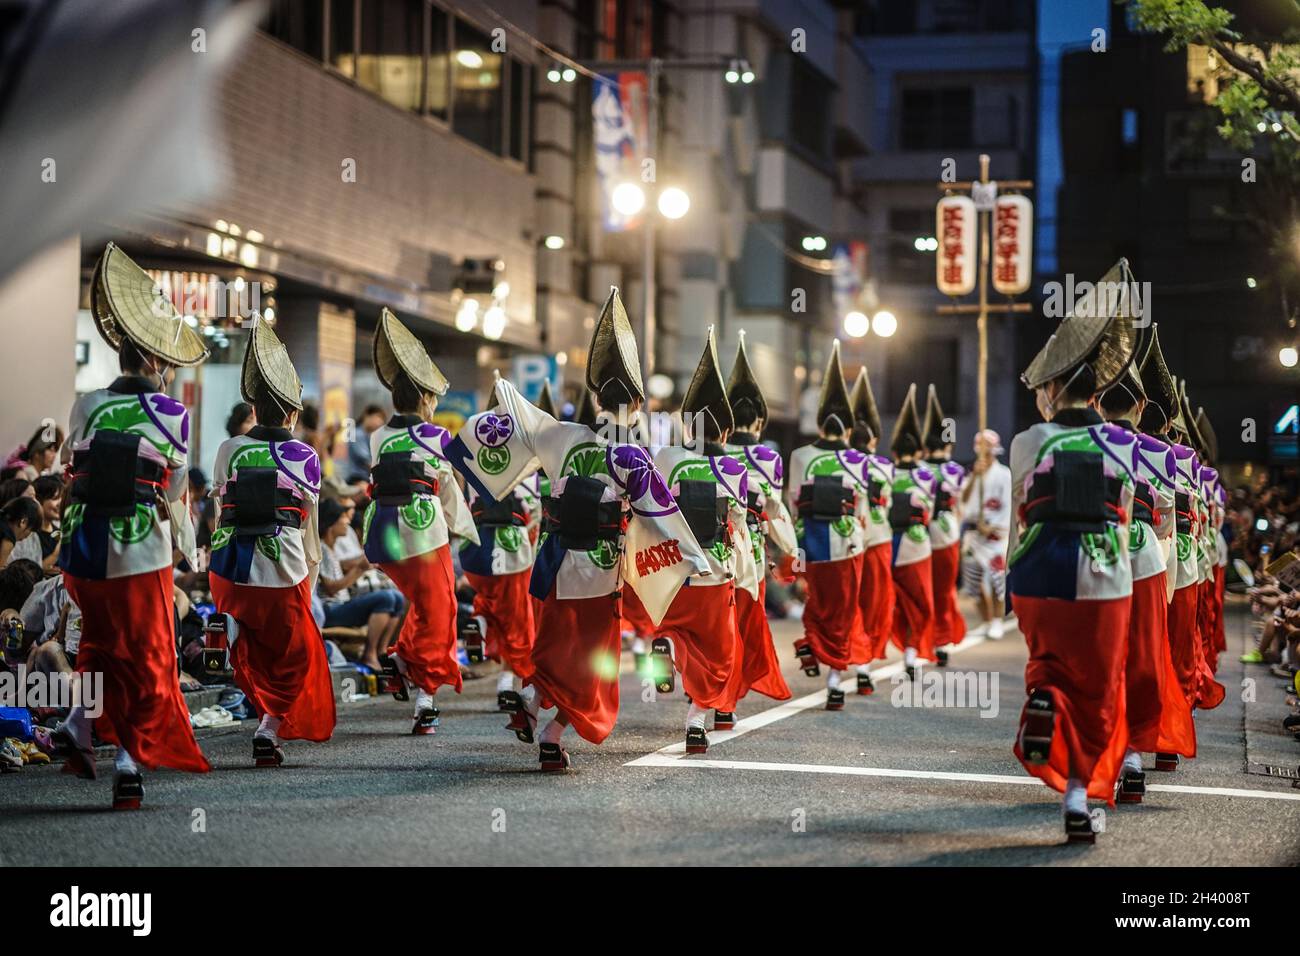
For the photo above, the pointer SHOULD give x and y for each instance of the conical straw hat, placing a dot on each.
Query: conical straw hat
(396, 350)
(127, 304)
(707, 392)
(267, 366)
(613, 354)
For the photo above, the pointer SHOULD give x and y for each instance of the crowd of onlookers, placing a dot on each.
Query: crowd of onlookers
(1263, 529)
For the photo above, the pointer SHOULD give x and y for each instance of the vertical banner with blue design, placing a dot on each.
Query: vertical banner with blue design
(619, 113)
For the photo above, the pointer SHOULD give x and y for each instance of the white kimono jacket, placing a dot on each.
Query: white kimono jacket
(497, 449)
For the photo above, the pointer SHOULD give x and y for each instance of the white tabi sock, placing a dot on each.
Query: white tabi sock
(269, 727)
(552, 732)
(1076, 796)
(832, 679)
(529, 696)
(695, 716)
(505, 680)
(1133, 761)
(638, 645)
(78, 725)
(423, 700)
(864, 670)
(909, 657)
(125, 763)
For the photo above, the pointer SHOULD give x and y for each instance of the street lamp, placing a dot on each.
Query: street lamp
(1288, 356)
(628, 199)
(884, 324)
(553, 242)
(856, 325)
(674, 203)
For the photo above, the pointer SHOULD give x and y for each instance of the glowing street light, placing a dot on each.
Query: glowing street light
(553, 242)
(884, 324)
(494, 322)
(856, 325)
(674, 203)
(1288, 356)
(469, 59)
(628, 199)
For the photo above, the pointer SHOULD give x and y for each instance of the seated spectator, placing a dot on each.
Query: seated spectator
(380, 612)
(51, 618)
(49, 495)
(358, 461)
(20, 518)
(40, 456)
(241, 419)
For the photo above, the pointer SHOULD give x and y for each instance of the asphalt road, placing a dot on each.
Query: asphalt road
(873, 784)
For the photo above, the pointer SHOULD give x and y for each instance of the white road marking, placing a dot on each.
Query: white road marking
(799, 704)
(663, 760)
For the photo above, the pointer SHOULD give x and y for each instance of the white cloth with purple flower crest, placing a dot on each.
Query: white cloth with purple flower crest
(279, 560)
(135, 545)
(731, 558)
(497, 449)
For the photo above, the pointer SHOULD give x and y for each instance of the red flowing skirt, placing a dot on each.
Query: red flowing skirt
(760, 670)
(949, 625)
(876, 603)
(427, 642)
(128, 635)
(503, 601)
(1077, 652)
(576, 661)
(635, 616)
(1220, 635)
(701, 623)
(832, 618)
(1159, 719)
(279, 657)
(914, 608)
(1194, 678)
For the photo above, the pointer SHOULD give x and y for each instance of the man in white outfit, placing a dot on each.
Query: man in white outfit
(985, 546)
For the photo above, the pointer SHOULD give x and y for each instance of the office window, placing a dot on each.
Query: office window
(476, 81)
(906, 262)
(520, 97)
(941, 118)
(343, 37)
(298, 23)
(390, 59)
(932, 358)
(810, 116)
(437, 94)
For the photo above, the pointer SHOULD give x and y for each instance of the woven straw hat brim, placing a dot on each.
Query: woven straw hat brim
(1206, 429)
(835, 392)
(933, 426)
(396, 349)
(585, 413)
(863, 402)
(613, 354)
(1105, 338)
(127, 304)
(1161, 389)
(267, 366)
(908, 423)
(546, 401)
(743, 384)
(707, 392)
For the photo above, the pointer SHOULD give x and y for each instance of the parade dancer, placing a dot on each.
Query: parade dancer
(711, 489)
(125, 509)
(911, 505)
(266, 556)
(987, 492)
(1158, 717)
(876, 590)
(416, 510)
(767, 518)
(1216, 544)
(1070, 577)
(1187, 565)
(824, 477)
(593, 543)
(945, 528)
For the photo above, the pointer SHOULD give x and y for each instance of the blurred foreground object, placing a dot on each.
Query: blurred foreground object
(106, 107)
